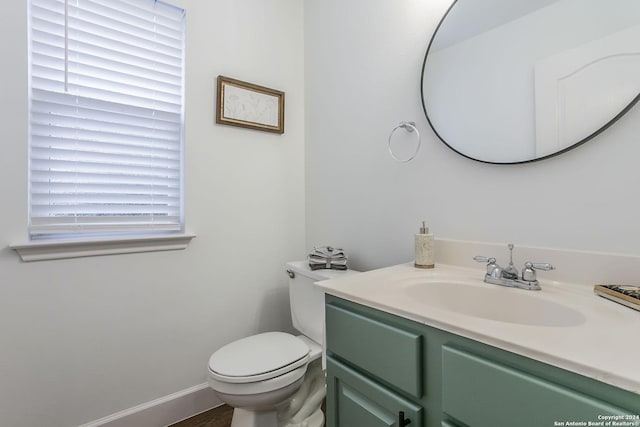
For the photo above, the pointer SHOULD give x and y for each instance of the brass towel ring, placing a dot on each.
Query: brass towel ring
(409, 127)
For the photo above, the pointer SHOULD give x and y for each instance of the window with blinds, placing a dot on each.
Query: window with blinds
(106, 117)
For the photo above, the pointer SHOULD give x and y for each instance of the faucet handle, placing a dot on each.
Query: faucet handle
(541, 265)
(529, 271)
(491, 264)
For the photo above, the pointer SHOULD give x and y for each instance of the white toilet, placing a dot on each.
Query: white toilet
(275, 379)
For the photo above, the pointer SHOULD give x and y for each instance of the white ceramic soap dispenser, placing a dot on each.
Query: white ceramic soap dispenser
(424, 257)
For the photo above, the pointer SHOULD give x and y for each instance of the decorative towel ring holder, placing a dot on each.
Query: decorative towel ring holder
(409, 127)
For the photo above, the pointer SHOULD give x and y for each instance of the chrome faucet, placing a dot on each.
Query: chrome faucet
(509, 276)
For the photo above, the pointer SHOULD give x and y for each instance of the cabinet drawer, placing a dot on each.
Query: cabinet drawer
(390, 353)
(355, 400)
(483, 393)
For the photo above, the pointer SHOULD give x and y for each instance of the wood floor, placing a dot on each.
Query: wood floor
(217, 417)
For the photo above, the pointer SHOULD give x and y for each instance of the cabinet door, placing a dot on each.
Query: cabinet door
(389, 353)
(483, 393)
(354, 400)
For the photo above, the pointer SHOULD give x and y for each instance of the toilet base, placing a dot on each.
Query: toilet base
(301, 409)
(245, 418)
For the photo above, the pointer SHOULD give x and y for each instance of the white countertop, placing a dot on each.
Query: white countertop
(604, 345)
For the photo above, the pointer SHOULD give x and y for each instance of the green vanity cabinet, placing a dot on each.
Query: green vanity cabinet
(384, 370)
(360, 401)
(375, 370)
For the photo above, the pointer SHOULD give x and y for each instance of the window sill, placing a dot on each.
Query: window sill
(46, 250)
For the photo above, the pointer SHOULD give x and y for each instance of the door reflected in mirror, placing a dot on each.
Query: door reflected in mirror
(512, 81)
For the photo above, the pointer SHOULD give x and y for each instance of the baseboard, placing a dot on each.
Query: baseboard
(163, 411)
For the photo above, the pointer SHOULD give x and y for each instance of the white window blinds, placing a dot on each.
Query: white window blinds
(106, 117)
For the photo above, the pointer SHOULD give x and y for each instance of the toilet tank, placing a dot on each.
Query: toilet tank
(307, 300)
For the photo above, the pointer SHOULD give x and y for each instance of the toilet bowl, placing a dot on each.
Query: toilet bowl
(275, 379)
(259, 371)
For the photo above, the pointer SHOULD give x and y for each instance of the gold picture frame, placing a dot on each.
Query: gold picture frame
(249, 105)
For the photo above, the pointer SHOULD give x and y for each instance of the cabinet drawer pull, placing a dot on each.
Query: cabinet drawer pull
(402, 421)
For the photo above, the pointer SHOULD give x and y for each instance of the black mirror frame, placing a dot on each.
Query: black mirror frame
(548, 156)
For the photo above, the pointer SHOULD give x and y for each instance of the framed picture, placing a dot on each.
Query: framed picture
(250, 106)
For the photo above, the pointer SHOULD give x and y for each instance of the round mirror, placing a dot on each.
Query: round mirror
(513, 81)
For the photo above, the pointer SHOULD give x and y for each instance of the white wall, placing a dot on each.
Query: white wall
(85, 338)
(363, 60)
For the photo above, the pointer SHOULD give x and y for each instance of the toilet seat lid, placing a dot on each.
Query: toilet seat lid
(258, 357)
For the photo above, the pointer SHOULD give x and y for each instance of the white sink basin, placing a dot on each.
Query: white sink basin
(494, 302)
